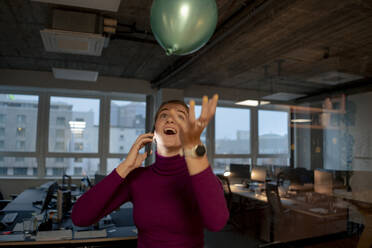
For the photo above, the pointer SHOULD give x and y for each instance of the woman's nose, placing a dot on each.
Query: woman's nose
(170, 119)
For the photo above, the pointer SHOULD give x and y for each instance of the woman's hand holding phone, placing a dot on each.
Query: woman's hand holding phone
(134, 158)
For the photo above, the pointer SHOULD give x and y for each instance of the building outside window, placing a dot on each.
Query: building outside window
(19, 159)
(59, 160)
(57, 171)
(79, 146)
(2, 144)
(78, 160)
(236, 138)
(2, 131)
(59, 146)
(60, 133)
(61, 121)
(21, 119)
(127, 121)
(20, 145)
(78, 171)
(2, 119)
(3, 171)
(21, 132)
(20, 171)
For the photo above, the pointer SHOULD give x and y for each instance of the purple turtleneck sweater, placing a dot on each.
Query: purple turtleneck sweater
(170, 207)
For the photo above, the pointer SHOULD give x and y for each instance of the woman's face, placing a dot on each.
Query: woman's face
(167, 133)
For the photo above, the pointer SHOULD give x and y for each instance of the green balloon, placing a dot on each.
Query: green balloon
(183, 26)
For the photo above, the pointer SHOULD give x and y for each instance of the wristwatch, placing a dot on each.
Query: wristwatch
(195, 152)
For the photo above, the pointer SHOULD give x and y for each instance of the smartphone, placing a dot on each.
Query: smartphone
(148, 148)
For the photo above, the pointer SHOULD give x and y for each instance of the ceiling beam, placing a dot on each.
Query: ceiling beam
(238, 19)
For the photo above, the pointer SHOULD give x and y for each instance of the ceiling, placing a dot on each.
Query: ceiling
(262, 45)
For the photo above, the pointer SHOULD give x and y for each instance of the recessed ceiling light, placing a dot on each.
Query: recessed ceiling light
(283, 96)
(248, 103)
(301, 120)
(70, 74)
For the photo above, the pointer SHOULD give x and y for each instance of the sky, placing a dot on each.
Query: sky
(228, 120)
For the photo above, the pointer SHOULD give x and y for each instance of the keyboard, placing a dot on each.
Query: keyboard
(9, 218)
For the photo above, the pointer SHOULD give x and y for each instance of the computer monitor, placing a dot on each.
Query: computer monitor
(51, 189)
(239, 173)
(258, 174)
(323, 182)
(98, 178)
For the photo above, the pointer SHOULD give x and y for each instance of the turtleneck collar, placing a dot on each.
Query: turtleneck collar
(169, 165)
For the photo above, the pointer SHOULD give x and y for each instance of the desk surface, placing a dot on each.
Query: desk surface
(293, 204)
(23, 205)
(113, 234)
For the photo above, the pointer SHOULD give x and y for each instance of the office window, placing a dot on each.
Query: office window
(80, 119)
(2, 146)
(2, 131)
(20, 145)
(60, 133)
(220, 165)
(19, 166)
(273, 132)
(3, 171)
(232, 133)
(79, 146)
(88, 166)
(276, 161)
(112, 163)
(2, 118)
(203, 136)
(21, 132)
(127, 118)
(20, 171)
(19, 113)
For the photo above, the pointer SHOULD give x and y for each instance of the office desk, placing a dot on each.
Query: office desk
(311, 220)
(24, 207)
(127, 233)
(365, 209)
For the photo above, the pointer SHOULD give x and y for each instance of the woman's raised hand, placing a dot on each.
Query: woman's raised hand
(134, 158)
(191, 128)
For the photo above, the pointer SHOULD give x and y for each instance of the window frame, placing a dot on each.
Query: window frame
(41, 152)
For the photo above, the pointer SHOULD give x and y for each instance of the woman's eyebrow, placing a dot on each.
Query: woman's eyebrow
(183, 112)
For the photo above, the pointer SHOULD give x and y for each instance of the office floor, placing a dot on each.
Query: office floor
(230, 238)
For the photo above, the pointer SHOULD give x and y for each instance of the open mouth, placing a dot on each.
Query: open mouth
(169, 131)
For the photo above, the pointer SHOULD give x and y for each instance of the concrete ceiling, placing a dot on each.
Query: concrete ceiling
(267, 46)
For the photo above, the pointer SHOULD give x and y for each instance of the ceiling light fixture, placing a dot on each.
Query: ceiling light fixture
(300, 120)
(252, 103)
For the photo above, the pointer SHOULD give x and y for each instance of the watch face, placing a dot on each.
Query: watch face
(200, 150)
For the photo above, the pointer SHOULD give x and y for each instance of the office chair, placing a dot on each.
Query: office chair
(227, 190)
(282, 222)
(3, 202)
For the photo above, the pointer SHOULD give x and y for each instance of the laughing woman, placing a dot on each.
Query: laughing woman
(175, 198)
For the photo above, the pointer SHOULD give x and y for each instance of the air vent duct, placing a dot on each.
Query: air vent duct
(60, 41)
(109, 5)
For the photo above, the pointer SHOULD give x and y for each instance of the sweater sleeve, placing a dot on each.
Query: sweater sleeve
(100, 200)
(210, 197)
